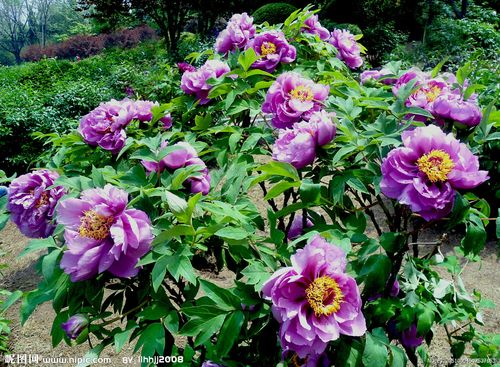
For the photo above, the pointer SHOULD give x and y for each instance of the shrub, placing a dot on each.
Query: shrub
(153, 209)
(81, 46)
(273, 13)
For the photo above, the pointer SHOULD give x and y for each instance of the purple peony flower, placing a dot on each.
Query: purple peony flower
(427, 170)
(210, 364)
(410, 338)
(292, 98)
(426, 94)
(295, 147)
(452, 106)
(184, 66)
(273, 48)
(166, 121)
(376, 75)
(297, 227)
(104, 126)
(31, 203)
(320, 126)
(314, 300)
(239, 31)
(143, 110)
(75, 325)
(102, 234)
(195, 82)
(411, 74)
(348, 49)
(313, 26)
(185, 155)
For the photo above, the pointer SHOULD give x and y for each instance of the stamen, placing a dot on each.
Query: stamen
(436, 165)
(324, 296)
(302, 93)
(95, 226)
(267, 48)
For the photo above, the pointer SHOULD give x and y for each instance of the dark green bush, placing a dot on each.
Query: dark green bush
(273, 13)
(51, 95)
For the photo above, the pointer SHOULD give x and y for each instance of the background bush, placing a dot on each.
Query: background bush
(50, 96)
(273, 13)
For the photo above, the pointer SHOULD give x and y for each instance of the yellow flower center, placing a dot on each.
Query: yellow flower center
(324, 296)
(436, 164)
(95, 226)
(432, 93)
(302, 93)
(267, 48)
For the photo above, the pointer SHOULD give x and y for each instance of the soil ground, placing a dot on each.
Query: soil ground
(34, 337)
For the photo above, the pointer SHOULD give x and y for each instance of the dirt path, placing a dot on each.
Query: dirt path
(34, 337)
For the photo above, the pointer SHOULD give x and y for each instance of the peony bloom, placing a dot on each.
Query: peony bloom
(104, 126)
(292, 98)
(195, 82)
(348, 49)
(297, 227)
(239, 31)
(320, 126)
(184, 66)
(185, 155)
(295, 147)
(368, 75)
(411, 74)
(426, 94)
(166, 121)
(75, 325)
(427, 170)
(313, 26)
(210, 364)
(409, 337)
(273, 48)
(102, 234)
(452, 106)
(314, 300)
(31, 203)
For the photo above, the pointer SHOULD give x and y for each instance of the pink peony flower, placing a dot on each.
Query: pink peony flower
(313, 26)
(239, 31)
(292, 98)
(273, 48)
(314, 300)
(102, 234)
(195, 82)
(348, 49)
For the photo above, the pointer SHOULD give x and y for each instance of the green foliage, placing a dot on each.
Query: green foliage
(51, 95)
(273, 13)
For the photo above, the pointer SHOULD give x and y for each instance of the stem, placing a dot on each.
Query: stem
(369, 212)
(118, 318)
(386, 212)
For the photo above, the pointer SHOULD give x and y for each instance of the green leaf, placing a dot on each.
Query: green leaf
(177, 205)
(159, 271)
(229, 333)
(391, 242)
(152, 339)
(247, 58)
(38, 244)
(475, 235)
(97, 177)
(220, 295)
(92, 354)
(439, 66)
(232, 233)
(425, 318)
(398, 357)
(375, 272)
(121, 338)
(375, 353)
(279, 188)
(256, 274)
(280, 169)
(310, 192)
(11, 299)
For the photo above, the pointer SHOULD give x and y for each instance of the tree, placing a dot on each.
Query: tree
(14, 29)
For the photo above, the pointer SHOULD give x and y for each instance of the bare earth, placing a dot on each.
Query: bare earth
(34, 337)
